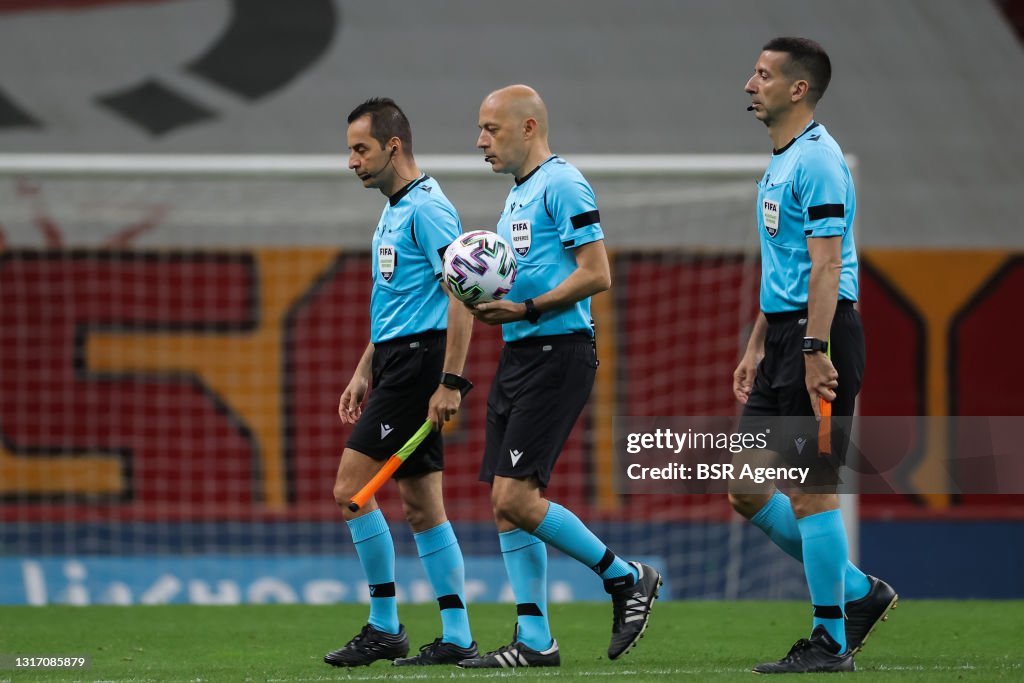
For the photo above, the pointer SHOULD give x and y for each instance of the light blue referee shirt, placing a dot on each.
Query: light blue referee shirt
(806, 192)
(417, 225)
(547, 214)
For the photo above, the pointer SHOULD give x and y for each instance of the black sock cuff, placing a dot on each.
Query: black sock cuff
(528, 609)
(605, 562)
(619, 582)
(452, 601)
(828, 611)
(382, 590)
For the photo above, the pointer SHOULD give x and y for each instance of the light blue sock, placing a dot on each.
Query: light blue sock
(825, 559)
(564, 530)
(526, 562)
(777, 520)
(376, 551)
(442, 560)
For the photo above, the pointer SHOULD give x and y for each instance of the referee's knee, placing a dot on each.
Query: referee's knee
(522, 509)
(748, 504)
(499, 511)
(343, 493)
(504, 508)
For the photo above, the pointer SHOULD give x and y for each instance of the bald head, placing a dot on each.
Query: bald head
(519, 103)
(514, 130)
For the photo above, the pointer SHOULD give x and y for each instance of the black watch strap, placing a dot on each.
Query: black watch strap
(532, 314)
(812, 345)
(453, 381)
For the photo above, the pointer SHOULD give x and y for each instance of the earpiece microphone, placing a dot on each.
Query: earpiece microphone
(390, 157)
(750, 108)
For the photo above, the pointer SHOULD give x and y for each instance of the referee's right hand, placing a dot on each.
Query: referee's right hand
(350, 405)
(743, 377)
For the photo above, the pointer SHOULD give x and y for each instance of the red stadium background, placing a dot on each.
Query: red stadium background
(203, 385)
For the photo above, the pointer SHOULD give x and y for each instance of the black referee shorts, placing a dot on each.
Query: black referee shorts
(539, 391)
(780, 390)
(406, 373)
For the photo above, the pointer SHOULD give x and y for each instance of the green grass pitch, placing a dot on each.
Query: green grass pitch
(715, 641)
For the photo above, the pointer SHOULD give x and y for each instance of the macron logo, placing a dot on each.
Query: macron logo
(385, 430)
(799, 442)
(515, 456)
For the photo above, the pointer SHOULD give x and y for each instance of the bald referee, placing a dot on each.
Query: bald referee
(544, 378)
(418, 342)
(807, 345)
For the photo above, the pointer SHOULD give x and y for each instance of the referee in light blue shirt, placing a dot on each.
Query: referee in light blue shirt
(418, 343)
(807, 346)
(544, 378)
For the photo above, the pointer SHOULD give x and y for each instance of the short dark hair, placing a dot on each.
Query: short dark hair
(807, 59)
(387, 120)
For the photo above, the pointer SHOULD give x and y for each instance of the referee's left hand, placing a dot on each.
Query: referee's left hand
(822, 380)
(443, 405)
(499, 312)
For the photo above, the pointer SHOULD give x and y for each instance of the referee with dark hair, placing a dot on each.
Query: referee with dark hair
(418, 342)
(807, 345)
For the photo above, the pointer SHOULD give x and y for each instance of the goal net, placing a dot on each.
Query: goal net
(176, 332)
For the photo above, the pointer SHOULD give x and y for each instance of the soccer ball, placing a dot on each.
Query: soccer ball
(479, 266)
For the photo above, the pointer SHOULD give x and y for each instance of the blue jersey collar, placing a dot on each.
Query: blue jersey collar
(397, 197)
(520, 181)
(808, 129)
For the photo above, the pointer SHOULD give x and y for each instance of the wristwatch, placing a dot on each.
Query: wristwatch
(453, 381)
(532, 314)
(812, 345)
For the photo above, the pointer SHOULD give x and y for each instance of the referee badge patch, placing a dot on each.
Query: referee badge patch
(387, 261)
(770, 211)
(521, 237)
